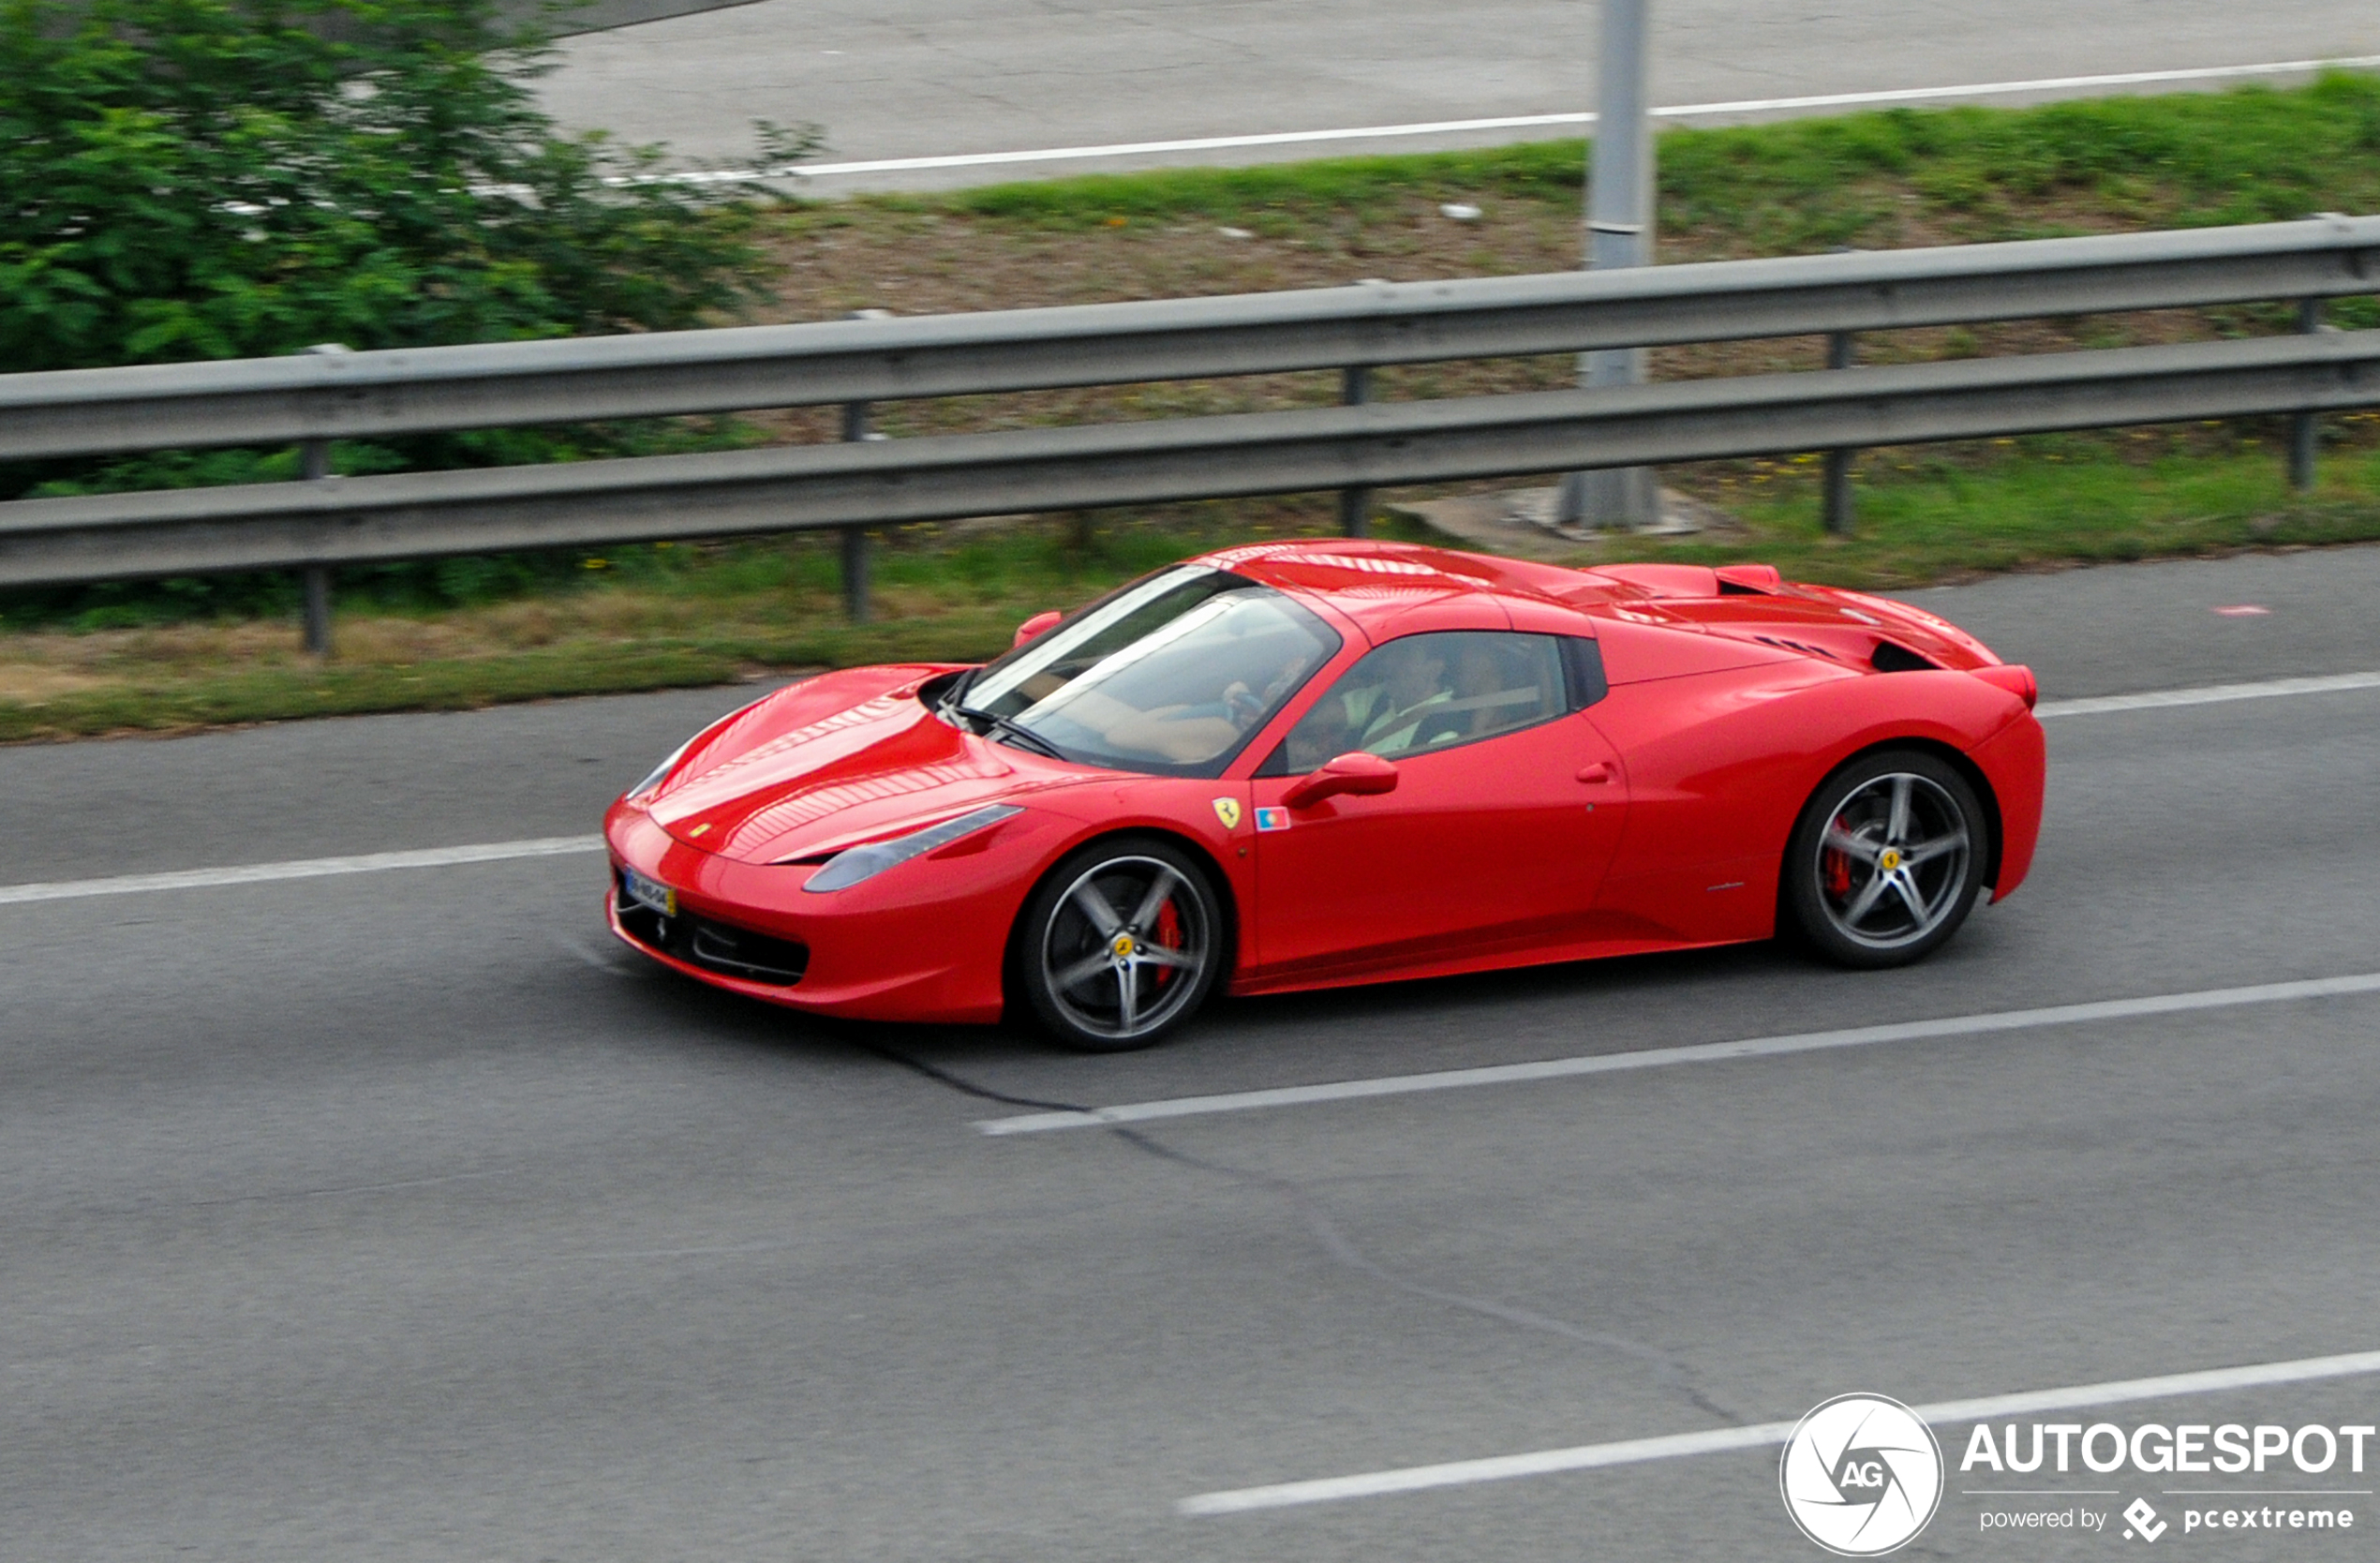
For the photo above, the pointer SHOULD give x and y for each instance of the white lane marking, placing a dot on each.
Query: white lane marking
(548, 846)
(1460, 1473)
(1995, 89)
(1707, 1053)
(1528, 122)
(2206, 694)
(303, 867)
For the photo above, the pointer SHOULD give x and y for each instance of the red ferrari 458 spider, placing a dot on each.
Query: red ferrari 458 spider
(1307, 764)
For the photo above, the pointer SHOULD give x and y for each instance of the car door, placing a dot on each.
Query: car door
(1507, 809)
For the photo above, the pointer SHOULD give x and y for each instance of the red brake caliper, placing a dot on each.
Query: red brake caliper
(1836, 865)
(1169, 935)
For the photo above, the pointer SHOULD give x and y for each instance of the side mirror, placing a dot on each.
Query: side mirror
(1034, 626)
(1360, 774)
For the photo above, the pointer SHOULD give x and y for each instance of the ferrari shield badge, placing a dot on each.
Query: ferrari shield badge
(1228, 811)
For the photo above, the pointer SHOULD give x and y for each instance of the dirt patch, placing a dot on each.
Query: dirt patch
(34, 684)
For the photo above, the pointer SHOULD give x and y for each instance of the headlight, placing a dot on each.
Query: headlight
(663, 769)
(846, 869)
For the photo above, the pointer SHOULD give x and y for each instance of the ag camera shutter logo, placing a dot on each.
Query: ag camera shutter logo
(1862, 1475)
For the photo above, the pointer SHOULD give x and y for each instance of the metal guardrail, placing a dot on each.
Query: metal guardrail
(790, 488)
(365, 395)
(860, 484)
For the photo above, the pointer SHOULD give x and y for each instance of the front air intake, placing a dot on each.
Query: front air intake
(715, 946)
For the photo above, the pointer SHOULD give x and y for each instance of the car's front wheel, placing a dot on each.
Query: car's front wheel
(1121, 944)
(1887, 859)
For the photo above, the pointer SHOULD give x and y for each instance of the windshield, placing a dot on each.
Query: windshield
(1170, 674)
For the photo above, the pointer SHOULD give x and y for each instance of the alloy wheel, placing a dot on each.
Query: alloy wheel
(1893, 861)
(1123, 950)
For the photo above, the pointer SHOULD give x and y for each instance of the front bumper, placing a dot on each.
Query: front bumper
(711, 947)
(924, 943)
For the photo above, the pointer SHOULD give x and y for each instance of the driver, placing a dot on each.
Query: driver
(1187, 733)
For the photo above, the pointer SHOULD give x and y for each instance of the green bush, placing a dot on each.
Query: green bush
(206, 179)
(185, 179)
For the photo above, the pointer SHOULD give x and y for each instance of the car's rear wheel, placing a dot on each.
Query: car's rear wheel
(1887, 859)
(1121, 945)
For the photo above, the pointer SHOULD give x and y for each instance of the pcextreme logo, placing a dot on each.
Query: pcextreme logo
(1862, 1475)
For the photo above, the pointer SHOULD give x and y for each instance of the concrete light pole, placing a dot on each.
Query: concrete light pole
(1619, 233)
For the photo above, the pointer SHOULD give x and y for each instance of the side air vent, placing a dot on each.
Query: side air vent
(1891, 657)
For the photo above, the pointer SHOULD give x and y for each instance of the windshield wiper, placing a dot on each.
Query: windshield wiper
(957, 690)
(1011, 728)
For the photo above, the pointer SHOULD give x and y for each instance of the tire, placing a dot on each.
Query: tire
(1119, 945)
(1887, 859)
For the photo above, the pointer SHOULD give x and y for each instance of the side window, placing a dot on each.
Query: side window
(1432, 692)
(1585, 661)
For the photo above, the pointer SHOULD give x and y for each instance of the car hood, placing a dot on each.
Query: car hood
(844, 758)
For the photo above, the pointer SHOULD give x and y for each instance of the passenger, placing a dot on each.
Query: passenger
(1480, 679)
(1413, 685)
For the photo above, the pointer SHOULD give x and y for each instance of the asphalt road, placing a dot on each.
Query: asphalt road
(929, 77)
(396, 1215)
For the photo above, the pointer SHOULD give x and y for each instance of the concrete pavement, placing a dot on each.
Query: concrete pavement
(397, 1215)
(894, 78)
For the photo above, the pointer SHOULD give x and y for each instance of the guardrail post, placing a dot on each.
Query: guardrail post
(2305, 430)
(314, 465)
(1622, 212)
(855, 550)
(858, 557)
(1355, 504)
(1842, 352)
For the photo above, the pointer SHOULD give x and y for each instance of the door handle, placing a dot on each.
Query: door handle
(1595, 774)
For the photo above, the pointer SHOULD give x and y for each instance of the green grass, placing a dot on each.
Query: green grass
(2049, 501)
(649, 618)
(2196, 159)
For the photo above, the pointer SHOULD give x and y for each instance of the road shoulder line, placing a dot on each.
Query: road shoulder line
(1705, 1052)
(2206, 694)
(548, 846)
(304, 868)
(1458, 1473)
(1529, 122)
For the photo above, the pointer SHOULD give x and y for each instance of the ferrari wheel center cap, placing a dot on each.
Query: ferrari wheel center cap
(1890, 861)
(1120, 946)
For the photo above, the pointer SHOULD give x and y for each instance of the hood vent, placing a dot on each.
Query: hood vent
(1805, 648)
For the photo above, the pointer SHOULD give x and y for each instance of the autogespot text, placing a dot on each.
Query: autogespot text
(2227, 1449)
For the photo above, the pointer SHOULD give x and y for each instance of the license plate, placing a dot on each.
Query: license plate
(649, 892)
